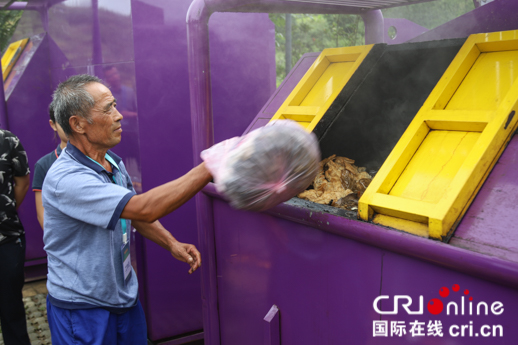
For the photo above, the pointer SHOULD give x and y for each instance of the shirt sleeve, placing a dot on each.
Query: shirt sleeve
(39, 176)
(86, 197)
(18, 157)
(129, 184)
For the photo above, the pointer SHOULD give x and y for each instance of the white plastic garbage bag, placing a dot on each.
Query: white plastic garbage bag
(264, 167)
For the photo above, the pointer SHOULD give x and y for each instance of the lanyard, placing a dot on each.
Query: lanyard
(123, 221)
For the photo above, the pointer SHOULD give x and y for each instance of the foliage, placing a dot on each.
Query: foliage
(315, 32)
(8, 22)
(431, 14)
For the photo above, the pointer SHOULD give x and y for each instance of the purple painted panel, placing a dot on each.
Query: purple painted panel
(171, 295)
(499, 15)
(120, 78)
(324, 286)
(405, 30)
(283, 91)
(28, 118)
(404, 276)
(172, 301)
(64, 69)
(468, 262)
(310, 275)
(89, 34)
(257, 123)
(237, 68)
(489, 226)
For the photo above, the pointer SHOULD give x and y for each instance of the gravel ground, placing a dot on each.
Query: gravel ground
(34, 298)
(37, 325)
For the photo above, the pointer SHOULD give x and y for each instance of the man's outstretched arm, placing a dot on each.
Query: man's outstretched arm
(162, 200)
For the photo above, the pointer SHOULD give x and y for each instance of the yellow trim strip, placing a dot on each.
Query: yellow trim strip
(11, 55)
(291, 110)
(415, 228)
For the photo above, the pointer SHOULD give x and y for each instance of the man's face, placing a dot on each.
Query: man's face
(105, 130)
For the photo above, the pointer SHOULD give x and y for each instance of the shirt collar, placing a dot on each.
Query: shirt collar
(83, 159)
(58, 149)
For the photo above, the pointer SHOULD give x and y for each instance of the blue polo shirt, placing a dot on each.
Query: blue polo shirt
(41, 168)
(83, 233)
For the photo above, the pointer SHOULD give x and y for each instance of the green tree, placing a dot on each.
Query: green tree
(315, 32)
(431, 14)
(8, 22)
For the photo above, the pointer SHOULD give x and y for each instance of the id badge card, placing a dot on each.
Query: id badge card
(126, 261)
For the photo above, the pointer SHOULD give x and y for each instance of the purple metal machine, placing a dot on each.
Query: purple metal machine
(288, 275)
(139, 48)
(293, 275)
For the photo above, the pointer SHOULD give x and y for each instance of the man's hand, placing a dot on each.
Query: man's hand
(187, 253)
(181, 251)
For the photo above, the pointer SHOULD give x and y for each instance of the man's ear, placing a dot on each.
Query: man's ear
(53, 125)
(77, 124)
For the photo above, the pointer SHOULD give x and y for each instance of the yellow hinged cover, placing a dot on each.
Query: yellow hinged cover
(324, 80)
(431, 176)
(11, 55)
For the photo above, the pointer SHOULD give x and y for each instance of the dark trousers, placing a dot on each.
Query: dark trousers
(12, 310)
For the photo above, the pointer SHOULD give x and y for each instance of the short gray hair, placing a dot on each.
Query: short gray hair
(71, 98)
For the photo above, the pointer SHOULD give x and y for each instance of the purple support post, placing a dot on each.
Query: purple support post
(3, 105)
(272, 327)
(374, 27)
(97, 54)
(203, 137)
(44, 15)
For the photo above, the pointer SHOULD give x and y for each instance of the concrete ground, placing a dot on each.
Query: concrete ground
(34, 298)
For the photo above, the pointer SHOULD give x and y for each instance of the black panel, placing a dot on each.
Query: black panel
(376, 106)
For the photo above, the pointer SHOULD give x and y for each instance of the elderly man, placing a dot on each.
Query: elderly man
(89, 206)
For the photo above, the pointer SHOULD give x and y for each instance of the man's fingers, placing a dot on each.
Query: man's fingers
(189, 254)
(187, 257)
(195, 254)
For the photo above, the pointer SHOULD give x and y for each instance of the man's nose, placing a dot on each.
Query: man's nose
(118, 116)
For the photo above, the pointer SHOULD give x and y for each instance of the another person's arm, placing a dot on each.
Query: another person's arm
(164, 199)
(158, 234)
(39, 207)
(21, 186)
(21, 171)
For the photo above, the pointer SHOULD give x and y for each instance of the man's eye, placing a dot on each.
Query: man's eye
(115, 105)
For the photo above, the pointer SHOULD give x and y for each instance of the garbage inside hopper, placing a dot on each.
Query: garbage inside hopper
(339, 183)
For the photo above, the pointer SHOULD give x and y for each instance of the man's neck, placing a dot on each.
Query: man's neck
(89, 150)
